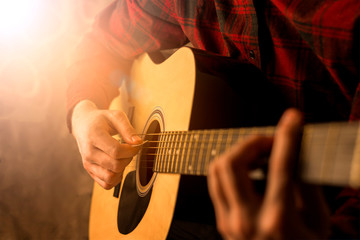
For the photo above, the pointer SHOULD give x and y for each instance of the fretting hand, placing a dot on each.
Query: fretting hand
(288, 209)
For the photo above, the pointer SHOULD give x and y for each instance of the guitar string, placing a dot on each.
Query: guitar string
(221, 144)
(170, 154)
(208, 133)
(235, 134)
(223, 139)
(177, 164)
(203, 135)
(190, 156)
(239, 132)
(243, 135)
(244, 131)
(197, 136)
(205, 139)
(177, 167)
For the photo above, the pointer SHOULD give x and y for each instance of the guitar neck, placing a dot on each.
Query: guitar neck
(330, 153)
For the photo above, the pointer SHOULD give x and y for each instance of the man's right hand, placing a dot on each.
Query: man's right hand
(103, 157)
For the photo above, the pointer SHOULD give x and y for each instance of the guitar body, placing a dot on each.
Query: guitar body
(190, 90)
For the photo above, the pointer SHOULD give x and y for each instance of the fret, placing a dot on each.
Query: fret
(229, 138)
(155, 157)
(178, 147)
(329, 151)
(204, 142)
(194, 152)
(214, 141)
(219, 143)
(248, 132)
(309, 156)
(234, 137)
(253, 131)
(209, 156)
(156, 160)
(170, 152)
(163, 152)
(158, 152)
(345, 145)
(174, 151)
(184, 150)
(165, 157)
(244, 133)
(240, 134)
(224, 143)
(189, 149)
(269, 131)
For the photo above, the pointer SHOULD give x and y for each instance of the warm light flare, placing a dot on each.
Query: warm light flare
(17, 17)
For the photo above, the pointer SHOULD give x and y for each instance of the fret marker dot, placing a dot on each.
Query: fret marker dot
(177, 152)
(190, 168)
(213, 152)
(169, 152)
(196, 137)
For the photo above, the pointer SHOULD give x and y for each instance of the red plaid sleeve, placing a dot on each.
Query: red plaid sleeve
(120, 33)
(129, 28)
(331, 29)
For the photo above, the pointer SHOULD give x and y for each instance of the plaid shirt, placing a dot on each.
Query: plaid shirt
(309, 50)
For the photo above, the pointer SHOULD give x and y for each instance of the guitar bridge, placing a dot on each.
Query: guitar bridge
(117, 190)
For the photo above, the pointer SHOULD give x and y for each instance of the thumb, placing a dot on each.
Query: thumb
(121, 124)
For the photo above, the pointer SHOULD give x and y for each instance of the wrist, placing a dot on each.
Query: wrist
(80, 109)
(84, 105)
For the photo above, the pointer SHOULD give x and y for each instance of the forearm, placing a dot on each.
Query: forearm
(94, 75)
(117, 37)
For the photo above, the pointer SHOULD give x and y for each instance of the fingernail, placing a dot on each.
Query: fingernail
(136, 139)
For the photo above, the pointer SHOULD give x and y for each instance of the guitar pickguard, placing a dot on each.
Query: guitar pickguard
(132, 207)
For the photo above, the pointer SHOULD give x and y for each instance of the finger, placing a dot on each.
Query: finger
(100, 182)
(107, 179)
(235, 200)
(235, 166)
(122, 125)
(105, 161)
(218, 199)
(112, 147)
(283, 158)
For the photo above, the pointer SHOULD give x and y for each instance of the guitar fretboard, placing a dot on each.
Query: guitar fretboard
(330, 153)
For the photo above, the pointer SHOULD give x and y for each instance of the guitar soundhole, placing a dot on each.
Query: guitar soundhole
(137, 187)
(147, 155)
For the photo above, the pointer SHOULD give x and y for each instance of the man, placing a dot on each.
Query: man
(307, 50)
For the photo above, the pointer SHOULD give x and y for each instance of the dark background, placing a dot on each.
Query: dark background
(44, 191)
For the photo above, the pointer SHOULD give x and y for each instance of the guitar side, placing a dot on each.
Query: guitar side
(169, 87)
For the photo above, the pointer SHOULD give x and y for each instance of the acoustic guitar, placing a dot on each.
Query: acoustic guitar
(189, 109)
